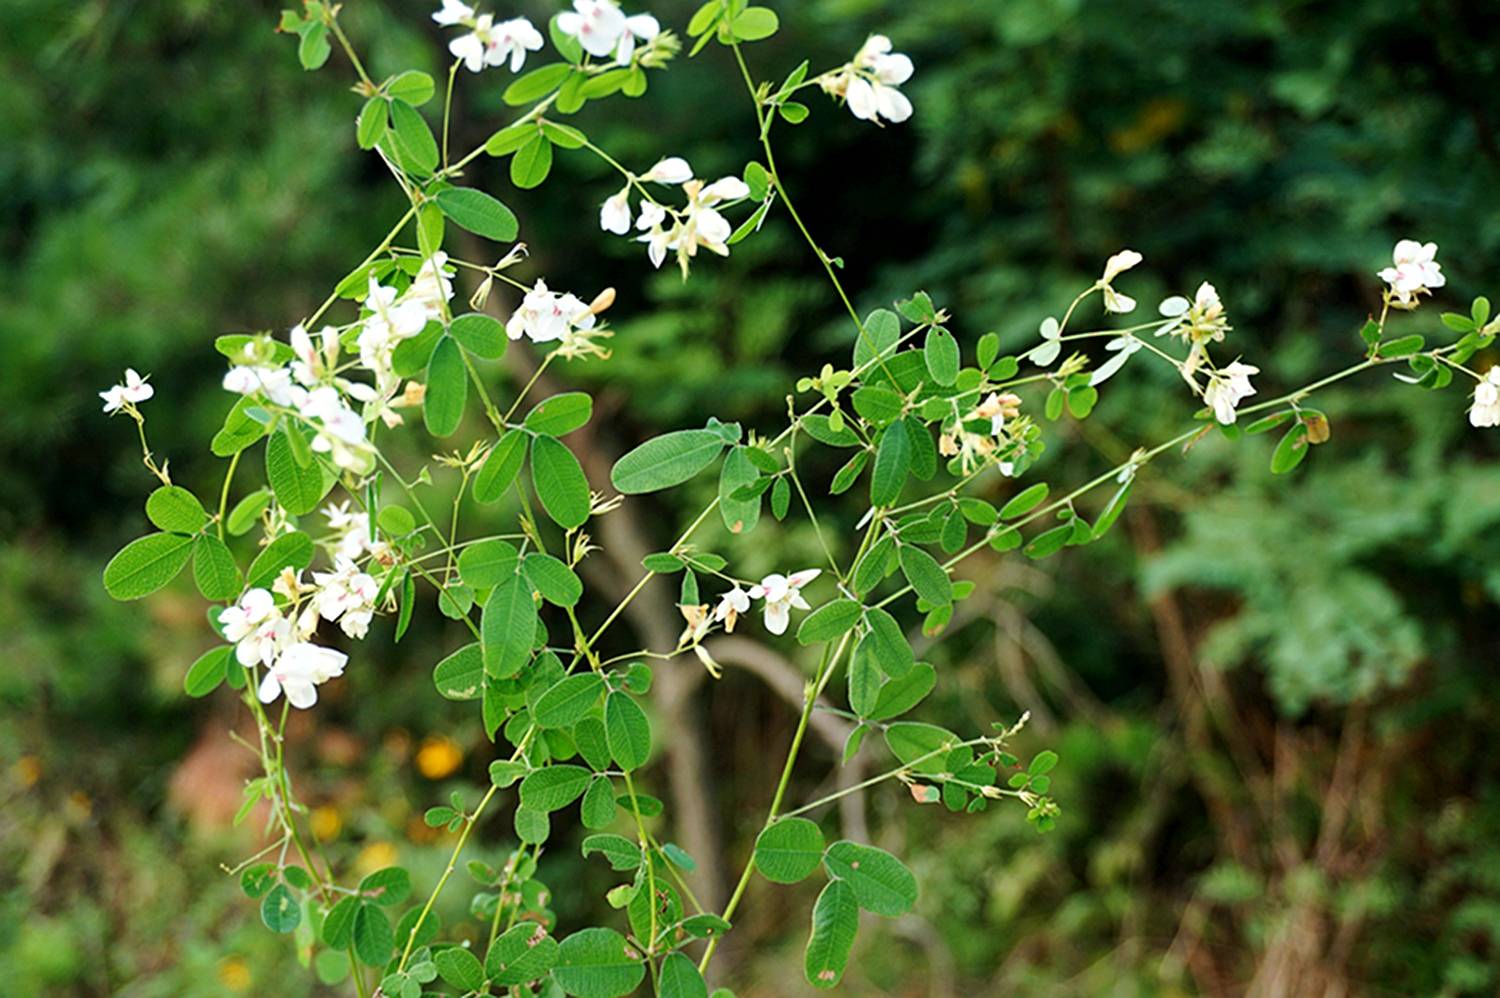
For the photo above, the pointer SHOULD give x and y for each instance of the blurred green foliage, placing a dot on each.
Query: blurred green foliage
(1273, 699)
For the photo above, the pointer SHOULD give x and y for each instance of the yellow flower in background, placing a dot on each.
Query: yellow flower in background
(326, 823)
(438, 757)
(375, 856)
(234, 974)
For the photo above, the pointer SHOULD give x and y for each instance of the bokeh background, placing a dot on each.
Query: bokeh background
(1274, 699)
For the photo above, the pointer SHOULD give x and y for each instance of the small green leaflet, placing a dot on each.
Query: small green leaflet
(554, 788)
(508, 628)
(627, 731)
(559, 482)
(835, 921)
(598, 963)
(447, 389)
(665, 461)
(174, 508)
(789, 850)
(482, 335)
(501, 467)
(480, 213)
(560, 414)
(882, 883)
(145, 565)
(892, 462)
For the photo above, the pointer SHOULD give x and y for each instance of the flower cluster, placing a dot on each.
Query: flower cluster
(781, 594)
(869, 82)
(683, 231)
(488, 43)
(603, 29)
(990, 432)
(134, 390)
(1414, 272)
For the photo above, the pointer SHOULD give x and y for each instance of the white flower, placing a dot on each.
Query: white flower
(312, 362)
(397, 320)
(731, 605)
(1116, 265)
(341, 431)
(1416, 272)
(275, 383)
(782, 593)
(614, 214)
(255, 627)
(346, 593)
(870, 81)
(133, 390)
(1486, 408)
(669, 170)
(298, 671)
(432, 287)
(544, 316)
(1226, 387)
(353, 529)
(454, 12)
(602, 28)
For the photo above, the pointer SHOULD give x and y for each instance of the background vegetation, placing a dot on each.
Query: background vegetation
(1274, 701)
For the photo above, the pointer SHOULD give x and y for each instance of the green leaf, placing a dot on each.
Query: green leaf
(1043, 763)
(829, 621)
(239, 430)
(555, 787)
(245, 512)
(501, 467)
(460, 968)
(1024, 501)
(665, 461)
(280, 910)
(411, 140)
(1049, 542)
(740, 515)
(754, 24)
(882, 331)
(374, 120)
(1290, 451)
(447, 389)
(396, 521)
(679, 978)
(940, 351)
(205, 675)
(559, 482)
(835, 921)
(789, 850)
(882, 883)
(298, 489)
(560, 414)
(338, 926)
(1401, 346)
(900, 695)
(294, 550)
(482, 335)
(391, 885)
(626, 731)
(413, 86)
(892, 462)
(522, 953)
(886, 642)
(487, 563)
(622, 853)
(928, 578)
(532, 162)
(556, 582)
(921, 746)
(174, 508)
(373, 939)
(864, 681)
(879, 405)
(598, 963)
(598, 808)
(460, 676)
(145, 565)
(508, 629)
(536, 84)
(214, 570)
(479, 213)
(314, 48)
(565, 703)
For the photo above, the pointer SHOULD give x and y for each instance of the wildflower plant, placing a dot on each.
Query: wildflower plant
(942, 430)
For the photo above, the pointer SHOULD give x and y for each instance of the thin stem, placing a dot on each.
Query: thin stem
(234, 462)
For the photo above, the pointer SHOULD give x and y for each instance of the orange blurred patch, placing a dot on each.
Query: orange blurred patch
(439, 757)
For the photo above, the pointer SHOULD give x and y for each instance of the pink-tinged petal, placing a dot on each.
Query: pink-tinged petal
(270, 688)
